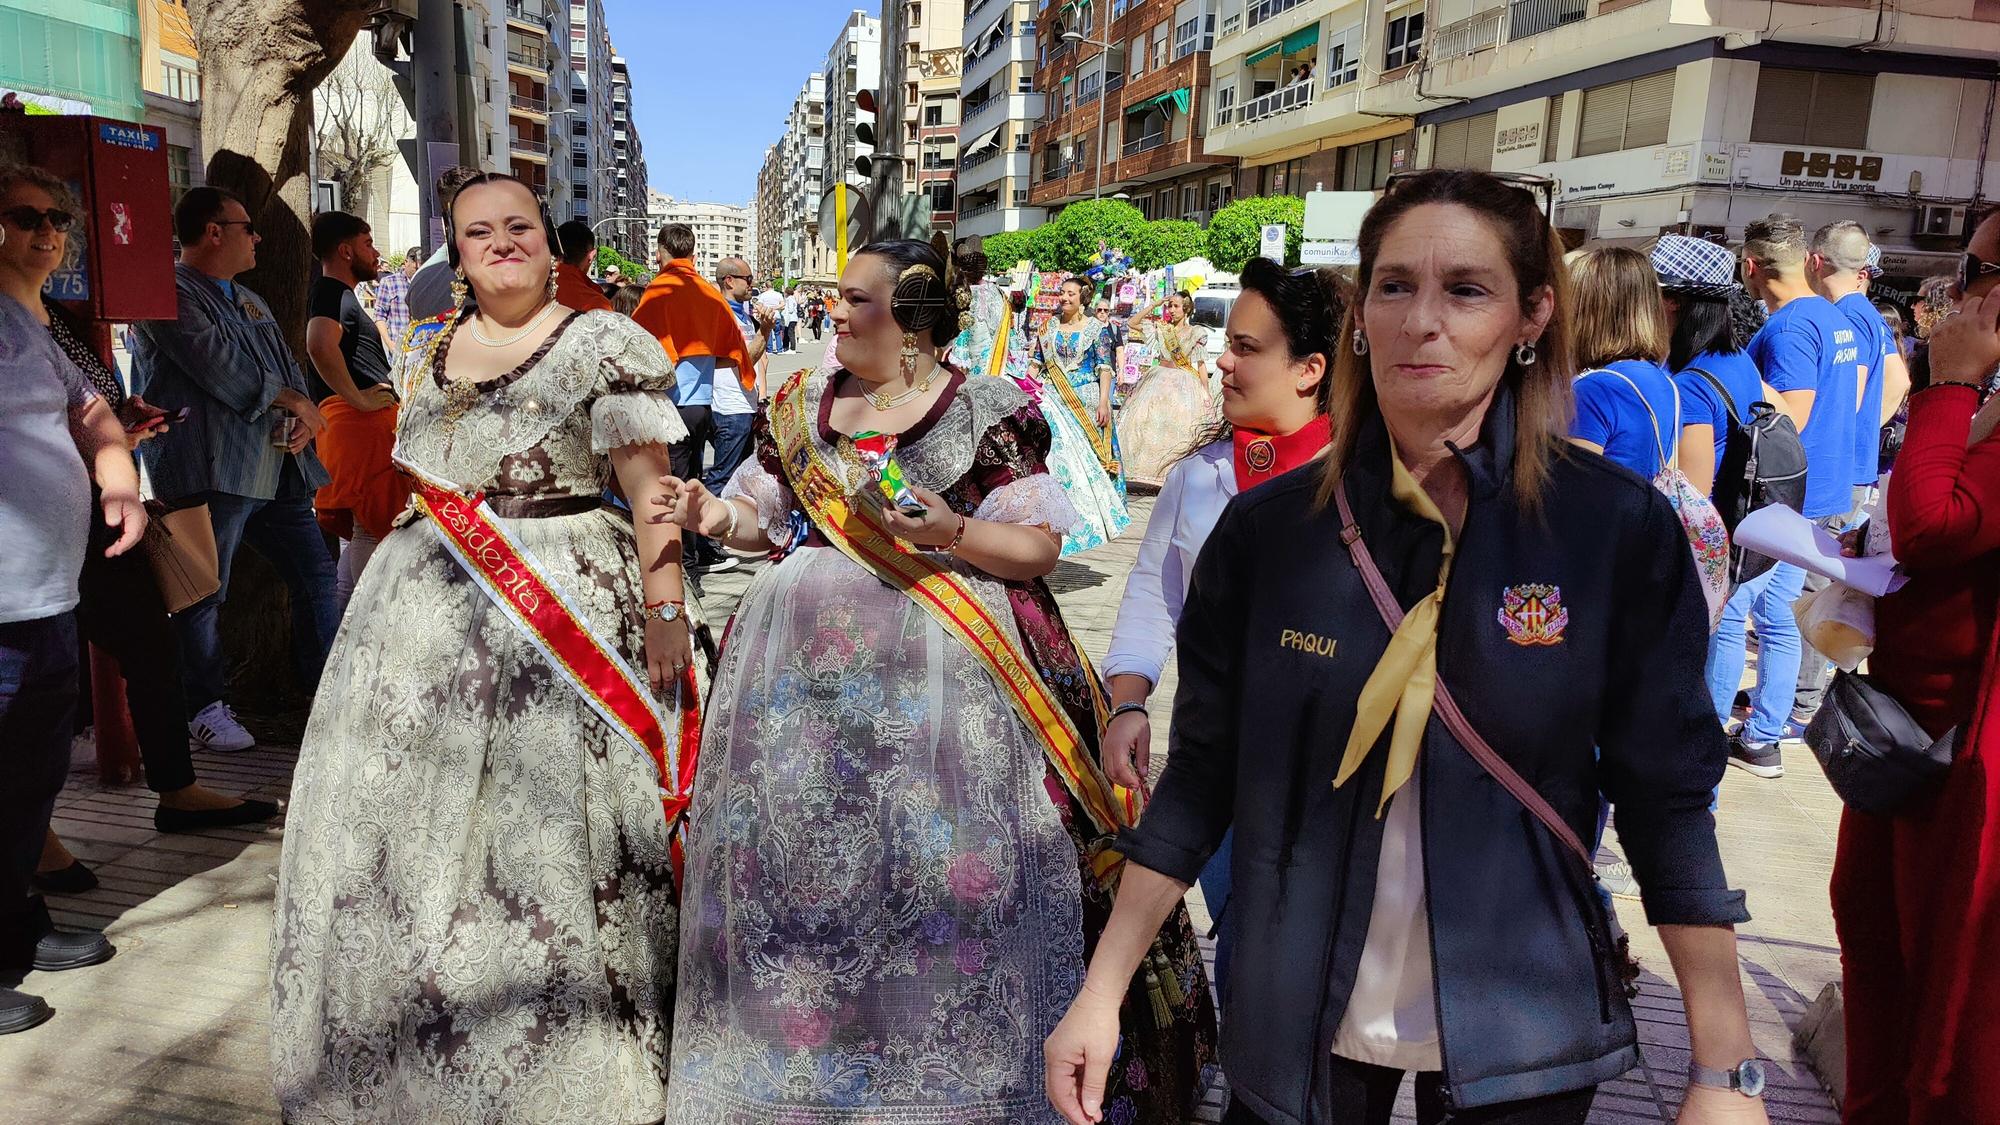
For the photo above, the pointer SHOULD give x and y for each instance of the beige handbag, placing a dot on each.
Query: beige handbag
(181, 547)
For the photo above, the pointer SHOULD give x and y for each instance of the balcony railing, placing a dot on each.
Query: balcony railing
(979, 209)
(527, 102)
(523, 144)
(1282, 100)
(977, 7)
(1532, 17)
(1062, 47)
(1463, 37)
(522, 10)
(528, 58)
(981, 106)
(967, 164)
(1147, 143)
(1265, 9)
(1058, 171)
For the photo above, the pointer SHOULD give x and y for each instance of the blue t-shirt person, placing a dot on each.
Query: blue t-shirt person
(1701, 406)
(1877, 345)
(1809, 345)
(1608, 414)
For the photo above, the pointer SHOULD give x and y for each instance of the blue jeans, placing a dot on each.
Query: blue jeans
(730, 442)
(38, 689)
(284, 531)
(1216, 883)
(1766, 600)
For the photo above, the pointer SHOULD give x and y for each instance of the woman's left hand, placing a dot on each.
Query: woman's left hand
(668, 652)
(1104, 413)
(124, 511)
(1712, 1105)
(935, 528)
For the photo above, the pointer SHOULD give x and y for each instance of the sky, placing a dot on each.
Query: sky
(712, 82)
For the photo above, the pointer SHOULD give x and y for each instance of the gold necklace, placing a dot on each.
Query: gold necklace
(896, 400)
(526, 329)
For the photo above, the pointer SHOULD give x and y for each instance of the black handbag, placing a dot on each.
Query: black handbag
(1875, 755)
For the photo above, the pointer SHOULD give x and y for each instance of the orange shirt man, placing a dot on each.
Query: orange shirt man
(574, 289)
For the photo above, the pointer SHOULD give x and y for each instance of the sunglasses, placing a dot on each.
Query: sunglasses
(1970, 270)
(249, 227)
(1543, 188)
(29, 219)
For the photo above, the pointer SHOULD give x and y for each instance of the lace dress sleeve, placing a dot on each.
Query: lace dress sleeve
(1011, 469)
(760, 480)
(634, 404)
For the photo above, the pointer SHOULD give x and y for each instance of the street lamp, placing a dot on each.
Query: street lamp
(594, 227)
(1104, 62)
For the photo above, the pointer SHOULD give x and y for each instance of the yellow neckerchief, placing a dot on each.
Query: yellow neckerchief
(1405, 679)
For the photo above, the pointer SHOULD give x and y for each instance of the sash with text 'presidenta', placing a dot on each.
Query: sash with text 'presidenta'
(1100, 438)
(943, 594)
(523, 590)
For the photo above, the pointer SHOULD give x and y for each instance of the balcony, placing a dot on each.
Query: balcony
(977, 7)
(1145, 143)
(1298, 95)
(1533, 17)
(1478, 32)
(526, 147)
(528, 57)
(1265, 9)
(1059, 171)
(980, 157)
(529, 102)
(979, 209)
(973, 110)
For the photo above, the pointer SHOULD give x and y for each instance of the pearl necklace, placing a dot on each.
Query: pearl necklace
(896, 400)
(526, 329)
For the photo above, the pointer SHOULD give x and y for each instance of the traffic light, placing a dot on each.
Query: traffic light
(864, 131)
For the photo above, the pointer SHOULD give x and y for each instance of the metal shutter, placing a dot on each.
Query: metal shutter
(1448, 147)
(1603, 127)
(1553, 130)
(1840, 110)
(1784, 98)
(1479, 141)
(1651, 109)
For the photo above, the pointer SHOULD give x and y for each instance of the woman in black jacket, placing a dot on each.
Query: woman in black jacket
(1398, 905)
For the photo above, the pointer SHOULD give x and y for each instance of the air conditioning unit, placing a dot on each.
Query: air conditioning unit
(1940, 221)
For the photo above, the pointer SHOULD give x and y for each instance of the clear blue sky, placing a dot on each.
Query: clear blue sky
(712, 81)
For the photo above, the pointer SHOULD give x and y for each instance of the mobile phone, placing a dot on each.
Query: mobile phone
(174, 418)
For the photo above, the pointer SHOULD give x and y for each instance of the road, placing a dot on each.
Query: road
(173, 1029)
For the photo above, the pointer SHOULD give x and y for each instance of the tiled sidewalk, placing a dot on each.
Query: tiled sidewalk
(173, 1028)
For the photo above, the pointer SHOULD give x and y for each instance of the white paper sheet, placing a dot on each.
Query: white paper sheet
(1787, 536)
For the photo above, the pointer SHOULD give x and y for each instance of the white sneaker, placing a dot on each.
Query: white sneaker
(216, 728)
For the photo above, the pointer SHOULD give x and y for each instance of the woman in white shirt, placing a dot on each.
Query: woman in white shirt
(1278, 349)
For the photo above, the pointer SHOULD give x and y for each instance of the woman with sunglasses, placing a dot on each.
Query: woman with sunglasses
(121, 612)
(1916, 895)
(1453, 602)
(56, 434)
(475, 913)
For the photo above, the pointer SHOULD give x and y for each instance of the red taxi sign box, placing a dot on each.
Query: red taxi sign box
(123, 267)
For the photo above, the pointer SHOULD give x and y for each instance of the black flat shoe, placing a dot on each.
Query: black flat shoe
(60, 950)
(20, 1011)
(197, 820)
(75, 879)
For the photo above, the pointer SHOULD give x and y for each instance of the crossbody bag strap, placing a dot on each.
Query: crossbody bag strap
(1728, 400)
(1666, 462)
(1446, 707)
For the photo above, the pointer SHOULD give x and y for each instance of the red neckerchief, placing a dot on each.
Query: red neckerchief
(1262, 457)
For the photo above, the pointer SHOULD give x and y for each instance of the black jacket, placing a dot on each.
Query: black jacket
(1526, 1003)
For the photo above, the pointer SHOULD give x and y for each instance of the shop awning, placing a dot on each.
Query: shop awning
(1300, 40)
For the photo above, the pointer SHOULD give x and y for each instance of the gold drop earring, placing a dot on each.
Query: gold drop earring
(553, 267)
(910, 357)
(459, 289)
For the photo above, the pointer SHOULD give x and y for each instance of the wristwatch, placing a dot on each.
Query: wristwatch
(1746, 1077)
(665, 611)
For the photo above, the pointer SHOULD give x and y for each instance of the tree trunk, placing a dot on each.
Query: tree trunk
(260, 62)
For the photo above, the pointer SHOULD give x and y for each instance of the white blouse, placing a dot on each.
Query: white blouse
(1191, 500)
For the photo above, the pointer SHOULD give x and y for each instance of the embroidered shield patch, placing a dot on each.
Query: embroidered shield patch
(1533, 614)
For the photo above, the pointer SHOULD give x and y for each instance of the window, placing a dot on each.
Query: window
(1215, 195)
(1626, 115)
(1366, 167)
(1552, 129)
(182, 83)
(1804, 107)
(1343, 56)
(1088, 21)
(933, 115)
(1160, 46)
(1465, 143)
(1281, 179)
(1137, 56)
(1405, 37)
(180, 175)
(1188, 198)
(1020, 197)
(1025, 84)
(1163, 203)
(1021, 137)
(917, 20)
(1118, 7)
(1225, 105)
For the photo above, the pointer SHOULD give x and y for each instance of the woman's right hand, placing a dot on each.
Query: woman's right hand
(1077, 1058)
(1128, 750)
(691, 505)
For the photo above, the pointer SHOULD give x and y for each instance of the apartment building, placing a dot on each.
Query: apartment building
(922, 46)
(170, 78)
(1657, 117)
(537, 92)
(802, 177)
(853, 64)
(721, 230)
(770, 214)
(628, 183)
(586, 128)
(1000, 107)
(1126, 90)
